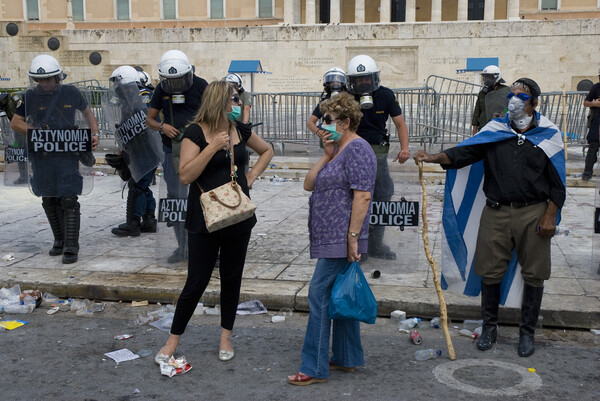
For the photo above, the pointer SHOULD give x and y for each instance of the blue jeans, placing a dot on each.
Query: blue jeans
(346, 345)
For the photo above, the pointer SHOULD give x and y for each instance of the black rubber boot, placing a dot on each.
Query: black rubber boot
(530, 310)
(377, 249)
(148, 223)
(490, 299)
(131, 227)
(55, 218)
(72, 217)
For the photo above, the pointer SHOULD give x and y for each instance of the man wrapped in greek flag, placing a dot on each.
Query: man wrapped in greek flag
(504, 190)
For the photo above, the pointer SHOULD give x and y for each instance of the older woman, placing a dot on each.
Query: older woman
(342, 182)
(205, 154)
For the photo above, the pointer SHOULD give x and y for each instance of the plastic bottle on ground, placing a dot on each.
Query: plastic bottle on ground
(18, 309)
(424, 354)
(435, 323)
(472, 324)
(407, 324)
(561, 232)
(467, 333)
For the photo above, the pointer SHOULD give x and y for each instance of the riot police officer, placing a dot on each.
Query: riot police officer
(125, 108)
(334, 82)
(178, 95)
(377, 103)
(52, 106)
(246, 99)
(492, 100)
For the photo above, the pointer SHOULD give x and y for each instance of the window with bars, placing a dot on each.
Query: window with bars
(398, 10)
(123, 9)
(549, 5)
(169, 9)
(33, 10)
(216, 9)
(78, 11)
(475, 10)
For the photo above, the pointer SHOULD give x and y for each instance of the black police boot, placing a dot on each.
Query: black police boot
(590, 159)
(148, 223)
(180, 253)
(377, 249)
(131, 227)
(530, 310)
(72, 221)
(55, 218)
(490, 299)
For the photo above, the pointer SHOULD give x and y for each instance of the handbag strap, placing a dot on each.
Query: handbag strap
(231, 167)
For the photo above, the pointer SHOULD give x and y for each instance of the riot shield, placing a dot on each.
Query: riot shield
(496, 103)
(394, 232)
(59, 141)
(14, 148)
(125, 113)
(171, 243)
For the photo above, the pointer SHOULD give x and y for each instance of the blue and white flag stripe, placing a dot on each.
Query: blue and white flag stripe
(464, 200)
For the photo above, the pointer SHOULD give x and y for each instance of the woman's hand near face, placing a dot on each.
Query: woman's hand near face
(328, 145)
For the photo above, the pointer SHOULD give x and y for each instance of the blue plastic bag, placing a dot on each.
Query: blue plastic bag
(351, 296)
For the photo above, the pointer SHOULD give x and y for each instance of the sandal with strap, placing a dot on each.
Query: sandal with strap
(300, 379)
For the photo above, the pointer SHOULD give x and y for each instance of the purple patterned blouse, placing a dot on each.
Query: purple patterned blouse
(330, 204)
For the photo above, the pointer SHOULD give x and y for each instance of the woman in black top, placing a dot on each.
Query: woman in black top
(205, 162)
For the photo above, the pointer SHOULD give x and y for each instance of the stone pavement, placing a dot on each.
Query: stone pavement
(278, 267)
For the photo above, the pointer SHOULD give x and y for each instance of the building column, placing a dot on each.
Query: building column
(385, 11)
(463, 10)
(359, 11)
(311, 12)
(411, 11)
(70, 24)
(436, 10)
(513, 9)
(488, 10)
(335, 12)
(291, 12)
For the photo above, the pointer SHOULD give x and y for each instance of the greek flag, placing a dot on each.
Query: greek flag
(464, 200)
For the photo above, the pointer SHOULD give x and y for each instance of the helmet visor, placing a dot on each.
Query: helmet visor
(177, 85)
(366, 83)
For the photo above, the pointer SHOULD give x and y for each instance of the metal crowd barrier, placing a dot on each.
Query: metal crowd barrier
(437, 114)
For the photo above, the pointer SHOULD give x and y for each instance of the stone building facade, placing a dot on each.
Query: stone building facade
(558, 50)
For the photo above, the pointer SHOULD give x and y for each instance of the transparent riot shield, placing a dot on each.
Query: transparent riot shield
(125, 114)
(596, 235)
(496, 103)
(394, 232)
(59, 141)
(14, 148)
(171, 208)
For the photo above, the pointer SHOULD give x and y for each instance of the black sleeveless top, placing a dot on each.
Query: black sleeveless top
(215, 174)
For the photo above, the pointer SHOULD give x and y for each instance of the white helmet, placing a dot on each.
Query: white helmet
(175, 72)
(335, 78)
(236, 80)
(144, 77)
(45, 66)
(124, 75)
(490, 75)
(359, 67)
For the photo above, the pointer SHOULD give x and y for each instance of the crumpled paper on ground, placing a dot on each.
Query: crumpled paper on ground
(174, 367)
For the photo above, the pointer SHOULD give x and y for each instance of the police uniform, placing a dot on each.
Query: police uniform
(9, 104)
(373, 128)
(592, 136)
(480, 117)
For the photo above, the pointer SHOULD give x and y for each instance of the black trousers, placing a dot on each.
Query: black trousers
(203, 251)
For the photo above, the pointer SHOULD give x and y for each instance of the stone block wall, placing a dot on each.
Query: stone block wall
(556, 53)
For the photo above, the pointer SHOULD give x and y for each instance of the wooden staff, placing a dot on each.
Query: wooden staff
(436, 280)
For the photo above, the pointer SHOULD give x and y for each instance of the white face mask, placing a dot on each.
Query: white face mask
(516, 113)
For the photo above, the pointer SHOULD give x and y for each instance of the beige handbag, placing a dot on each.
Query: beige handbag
(227, 204)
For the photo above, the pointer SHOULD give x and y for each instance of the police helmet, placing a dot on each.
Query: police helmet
(335, 79)
(124, 75)
(236, 80)
(45, 66)
(490, 75)
(358, 68)
(175, 72)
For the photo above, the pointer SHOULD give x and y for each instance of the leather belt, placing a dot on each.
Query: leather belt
(519, 205)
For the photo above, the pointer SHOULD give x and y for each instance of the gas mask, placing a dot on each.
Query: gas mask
(516, 113)
(366, 101)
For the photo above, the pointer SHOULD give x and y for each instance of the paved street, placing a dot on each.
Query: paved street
(278, 267)
(61, 357)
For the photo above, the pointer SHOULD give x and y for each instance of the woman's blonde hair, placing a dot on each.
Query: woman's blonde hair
(344, 106)
(214, 104)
